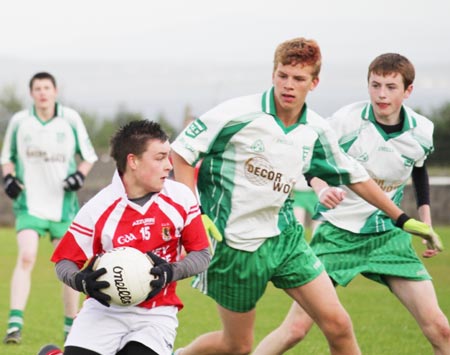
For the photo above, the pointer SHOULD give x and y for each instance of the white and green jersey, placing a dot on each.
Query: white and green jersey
(251, 162)
(388, 158)
(43, 153)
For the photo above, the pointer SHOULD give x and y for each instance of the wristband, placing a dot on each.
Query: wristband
(401, 220)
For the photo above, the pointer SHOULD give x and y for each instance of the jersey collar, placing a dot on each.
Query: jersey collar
(118, 184)
(409, 121)
(58, 113)
(268, 106)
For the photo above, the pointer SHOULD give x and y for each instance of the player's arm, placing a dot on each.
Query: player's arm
(66, 271)
(8, 168)
(13, 187)
(421, 184)
(84, 280)
(192, 264)
(373, 194)
(86, 151)
(75, 181)
(329, 196)
(85, 167)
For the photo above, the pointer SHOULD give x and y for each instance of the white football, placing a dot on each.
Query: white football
(128, 274)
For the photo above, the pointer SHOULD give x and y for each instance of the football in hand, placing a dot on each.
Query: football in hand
(128, 274)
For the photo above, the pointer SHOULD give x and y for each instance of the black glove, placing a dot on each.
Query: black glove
(12, 186)
(74, 182)
(163, 272)
(86, 282)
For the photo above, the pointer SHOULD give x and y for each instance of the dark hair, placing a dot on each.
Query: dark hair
(299, 51)
(42, 75)
(391, 63)
(132, 138)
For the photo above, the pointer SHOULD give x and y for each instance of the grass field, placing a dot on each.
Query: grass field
(382, 325)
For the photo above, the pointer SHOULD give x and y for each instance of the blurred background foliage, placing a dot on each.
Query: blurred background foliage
(101, 128)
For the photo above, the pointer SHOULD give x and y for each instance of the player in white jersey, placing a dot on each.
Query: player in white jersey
(145, 210)
(42, 177)
(392, 142)
(254, 148)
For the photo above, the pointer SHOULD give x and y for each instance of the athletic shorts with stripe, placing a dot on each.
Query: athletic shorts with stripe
(346, 254)
(237, 279)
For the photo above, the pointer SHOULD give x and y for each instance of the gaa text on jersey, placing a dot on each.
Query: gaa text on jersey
(125, 239)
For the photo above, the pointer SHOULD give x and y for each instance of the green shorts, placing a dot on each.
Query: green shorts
(237, 279)
(41, 226)
(307, 200)
(346, 254)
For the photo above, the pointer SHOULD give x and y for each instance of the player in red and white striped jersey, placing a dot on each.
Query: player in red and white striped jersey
(145, 210)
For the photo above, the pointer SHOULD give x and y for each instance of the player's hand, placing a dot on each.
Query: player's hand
(163, 271)
(86, 282)
(422, 230)
(429, 253)
(12, 186)
(73, 182)
(211, 229)
(331, 196)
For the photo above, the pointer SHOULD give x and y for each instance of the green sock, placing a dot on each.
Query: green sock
(15, 320)
(68, 321)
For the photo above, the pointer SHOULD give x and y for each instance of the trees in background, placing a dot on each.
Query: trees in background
(441, 119)
(10, 102)
(101, 128)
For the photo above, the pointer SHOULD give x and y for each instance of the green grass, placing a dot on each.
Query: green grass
(382, 325)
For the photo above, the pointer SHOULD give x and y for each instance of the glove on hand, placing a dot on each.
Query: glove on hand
(163, 272)
(211, 229)
(74, 182)
(422, 230)
(12, 186)
(86, 282)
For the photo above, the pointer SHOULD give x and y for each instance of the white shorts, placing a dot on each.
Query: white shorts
(106, 330)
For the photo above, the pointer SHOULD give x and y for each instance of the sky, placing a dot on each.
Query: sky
(159, 56)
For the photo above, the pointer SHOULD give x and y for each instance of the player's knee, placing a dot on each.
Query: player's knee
(295, 333)
(439, 330)
(340, 325)
(241, 348)
(27, 260)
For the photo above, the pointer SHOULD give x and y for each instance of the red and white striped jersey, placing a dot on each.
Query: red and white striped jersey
(169, 220)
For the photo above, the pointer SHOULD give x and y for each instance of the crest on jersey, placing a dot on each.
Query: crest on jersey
(363, 157)
(407, 161)
(166, 234)
(258, 146)
(60, 137)
(195, 128)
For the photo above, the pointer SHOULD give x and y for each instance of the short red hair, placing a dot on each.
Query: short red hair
(299, 51)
